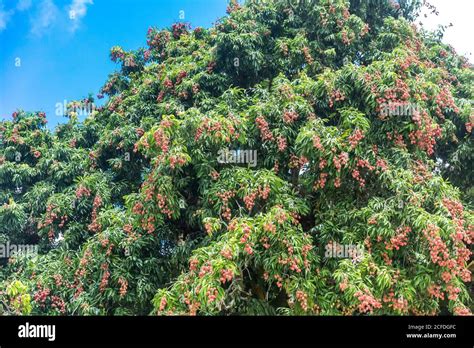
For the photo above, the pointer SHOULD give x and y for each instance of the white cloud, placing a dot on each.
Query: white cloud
(78, 10)
(23, 5)
(4, 16)
(459, 13)
(45, 17)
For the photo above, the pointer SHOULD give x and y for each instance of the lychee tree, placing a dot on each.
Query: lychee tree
(135, 214)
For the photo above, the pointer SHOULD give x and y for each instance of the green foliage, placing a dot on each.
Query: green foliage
(134, 213)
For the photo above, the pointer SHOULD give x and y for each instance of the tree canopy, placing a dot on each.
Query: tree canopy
(133, 213)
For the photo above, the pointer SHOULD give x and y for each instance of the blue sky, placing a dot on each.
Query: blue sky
(63, 58)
